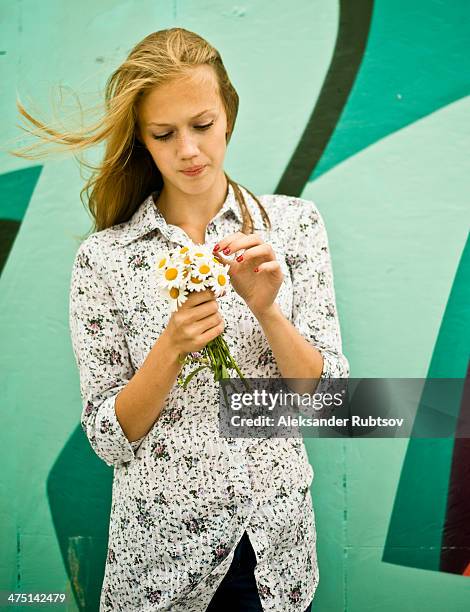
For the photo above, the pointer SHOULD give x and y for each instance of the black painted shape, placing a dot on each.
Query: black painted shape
(354, 25)
(455, 545)
(8, 230)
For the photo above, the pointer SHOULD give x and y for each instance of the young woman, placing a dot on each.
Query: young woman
(198, 522)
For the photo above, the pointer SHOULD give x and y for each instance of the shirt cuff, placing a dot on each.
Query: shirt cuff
(331, 381)
(106, 435)
(335, 365)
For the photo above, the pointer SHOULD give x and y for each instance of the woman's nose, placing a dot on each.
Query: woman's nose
(187, 145)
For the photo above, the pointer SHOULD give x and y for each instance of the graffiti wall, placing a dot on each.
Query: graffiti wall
(361, 107)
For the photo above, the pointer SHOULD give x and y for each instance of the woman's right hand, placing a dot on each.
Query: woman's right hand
(196, 322)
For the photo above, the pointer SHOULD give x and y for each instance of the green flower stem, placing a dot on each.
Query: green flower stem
(232, 362)
(225, 362)
(209, 348)
(216, 357)
(193, 373)
(200, 360)
(211, 355)
(218, 352)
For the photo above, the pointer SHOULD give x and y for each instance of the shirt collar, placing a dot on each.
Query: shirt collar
(148, 218)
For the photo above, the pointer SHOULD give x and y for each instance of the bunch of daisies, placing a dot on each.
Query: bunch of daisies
(188, 268)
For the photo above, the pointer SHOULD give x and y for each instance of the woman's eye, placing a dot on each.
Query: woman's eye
(198, 127)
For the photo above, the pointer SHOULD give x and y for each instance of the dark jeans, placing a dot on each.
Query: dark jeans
(237, 592)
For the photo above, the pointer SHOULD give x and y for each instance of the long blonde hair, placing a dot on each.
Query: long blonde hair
(127, 173)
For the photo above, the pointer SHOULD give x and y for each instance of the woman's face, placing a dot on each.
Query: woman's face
(183, 124)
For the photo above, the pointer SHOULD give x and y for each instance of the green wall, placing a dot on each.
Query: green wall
(362, 107)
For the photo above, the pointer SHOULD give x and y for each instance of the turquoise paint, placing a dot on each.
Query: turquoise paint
(412, 67)
(416, 524)
(392, 164)
(16, 189)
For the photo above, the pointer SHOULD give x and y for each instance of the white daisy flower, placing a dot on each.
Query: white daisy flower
(196, 252)
(163, 291)
(161, 263)
(172, 276)
(219, 281)
(182, 254)
(202, 268)
(177, 297)
(194, 283)
(182, 250)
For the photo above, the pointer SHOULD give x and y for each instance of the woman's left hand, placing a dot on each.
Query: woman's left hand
(258, 288)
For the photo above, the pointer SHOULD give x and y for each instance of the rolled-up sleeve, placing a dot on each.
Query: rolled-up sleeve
(102, 357)
(314, 311)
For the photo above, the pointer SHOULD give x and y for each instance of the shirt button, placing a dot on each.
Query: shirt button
(238, 460)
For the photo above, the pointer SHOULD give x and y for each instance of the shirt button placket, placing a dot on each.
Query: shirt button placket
(210, 230)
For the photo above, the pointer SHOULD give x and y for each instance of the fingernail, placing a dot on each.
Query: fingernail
(216, 248)
(256, 269)
(226, 251)
(240, 258)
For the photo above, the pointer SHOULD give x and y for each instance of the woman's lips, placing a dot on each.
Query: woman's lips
(193, 172)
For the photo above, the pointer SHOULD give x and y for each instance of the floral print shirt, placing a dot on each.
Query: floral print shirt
(182, 495)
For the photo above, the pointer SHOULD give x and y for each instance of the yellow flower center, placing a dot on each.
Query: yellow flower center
(162, 262)
(221, 280)
(196, 280)
(184, 250)
(204, 269)
(174, 293)
(198, 254)
(187, 260)
(171, 274)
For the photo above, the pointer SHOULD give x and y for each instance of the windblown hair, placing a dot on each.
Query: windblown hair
(127, 173)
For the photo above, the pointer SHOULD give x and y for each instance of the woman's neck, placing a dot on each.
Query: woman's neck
(194, 211)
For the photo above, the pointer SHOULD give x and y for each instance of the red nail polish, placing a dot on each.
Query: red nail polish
(226, 251)
(240, 258)
(216, 248)
(256, 270)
